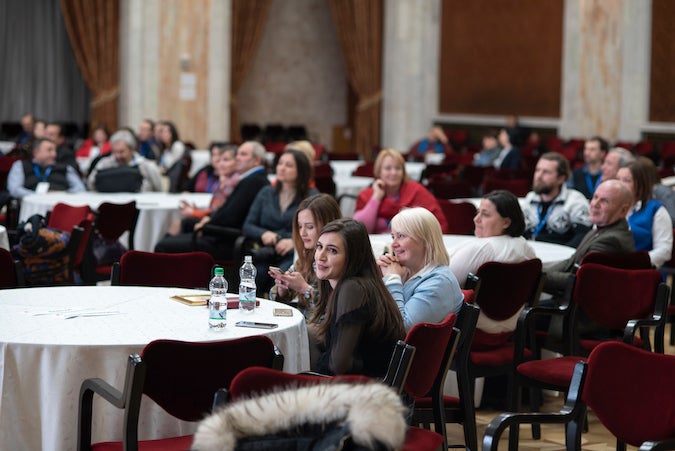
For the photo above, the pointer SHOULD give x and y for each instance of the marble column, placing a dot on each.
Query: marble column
(174, 64)
(606, 68)
(410, 70)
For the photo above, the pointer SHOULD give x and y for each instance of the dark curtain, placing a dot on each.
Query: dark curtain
(359, 28)
(93, 27)
(248, 23)
(39, 72)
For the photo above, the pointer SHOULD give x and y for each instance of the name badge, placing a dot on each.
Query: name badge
(42, 188)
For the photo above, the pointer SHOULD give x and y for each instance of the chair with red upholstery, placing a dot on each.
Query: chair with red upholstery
(365, 170)
(260, 381)
(502, 290)
(450, 189)
(64, 217)
(620, 300)
(181, 377)
(518, 186)
(668, 269)
(112, 220)
(157, 269)
(11, 271)
(460, 410)
(435, 346)
(459, 216)
(627, 260)
(627, 388)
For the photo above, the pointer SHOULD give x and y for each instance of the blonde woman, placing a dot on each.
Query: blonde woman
(417, 273)
(391, 192)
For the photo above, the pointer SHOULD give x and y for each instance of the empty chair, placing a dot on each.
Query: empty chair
(627, 260)
(181, 377)
(64, 217)
(604, 299)
(157, 269)
(459, 216)
(365, 170)
(519, 187)
(112, 220)
(450, 189)
(627, 388)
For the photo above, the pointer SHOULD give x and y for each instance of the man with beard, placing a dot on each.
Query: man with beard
(553, 212)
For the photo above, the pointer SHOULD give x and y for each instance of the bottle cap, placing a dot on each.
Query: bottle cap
(219, 271)
(248, 259)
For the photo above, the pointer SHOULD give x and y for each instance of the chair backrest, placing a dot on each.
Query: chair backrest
(631, 392)
(399, 365)
(519, 187)
(450, 189)
(112, 220)
(182, 377)
(613, 296)
(431, 341)
(64, 217)
(11, 273)
(625, 260)
(179, 173)
(459, 216)
(504, 288)
(365, 170)
(157, 269)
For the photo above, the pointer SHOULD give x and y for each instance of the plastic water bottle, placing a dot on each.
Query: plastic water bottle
(247, 288)
(218, 301)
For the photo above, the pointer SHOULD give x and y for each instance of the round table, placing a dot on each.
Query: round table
(156, 210)
(45, 356)
(546, 252)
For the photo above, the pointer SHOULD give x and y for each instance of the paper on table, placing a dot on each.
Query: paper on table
(202, 299)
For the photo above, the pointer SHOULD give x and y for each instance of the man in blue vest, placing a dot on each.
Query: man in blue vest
(25, 176)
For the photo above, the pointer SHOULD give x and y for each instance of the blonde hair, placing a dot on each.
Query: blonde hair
(421, 225)
(398, 158)
(305, 147)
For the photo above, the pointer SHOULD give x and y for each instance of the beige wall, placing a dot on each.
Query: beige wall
(298, 76)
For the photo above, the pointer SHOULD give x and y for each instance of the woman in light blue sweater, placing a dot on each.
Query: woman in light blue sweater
(416, 273)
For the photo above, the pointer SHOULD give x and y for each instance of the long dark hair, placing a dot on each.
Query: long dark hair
(304, 174)
(359, 265)
(324, 209)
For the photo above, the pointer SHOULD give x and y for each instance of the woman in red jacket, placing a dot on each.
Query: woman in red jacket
(391, 192)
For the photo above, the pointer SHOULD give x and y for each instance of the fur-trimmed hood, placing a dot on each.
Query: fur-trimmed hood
(372, 411)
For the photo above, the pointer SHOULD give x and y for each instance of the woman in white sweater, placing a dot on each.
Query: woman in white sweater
(499, 225)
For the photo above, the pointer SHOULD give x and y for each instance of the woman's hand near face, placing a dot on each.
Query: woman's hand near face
(284, 246)
(378, 189)
(292, 281)
(389, 265)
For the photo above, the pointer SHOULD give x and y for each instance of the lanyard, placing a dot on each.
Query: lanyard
(39, 175)
(543, 220)
(589, 182)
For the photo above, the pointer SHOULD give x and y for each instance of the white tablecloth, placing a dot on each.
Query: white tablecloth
(157, 210)
(344, 168)
(4, 239)
(45, 358)
(546, 252)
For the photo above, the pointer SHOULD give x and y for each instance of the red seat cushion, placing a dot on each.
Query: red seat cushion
(417, 439)
(496, 357)
(450, 402)
(557, 371)
(164, 444)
